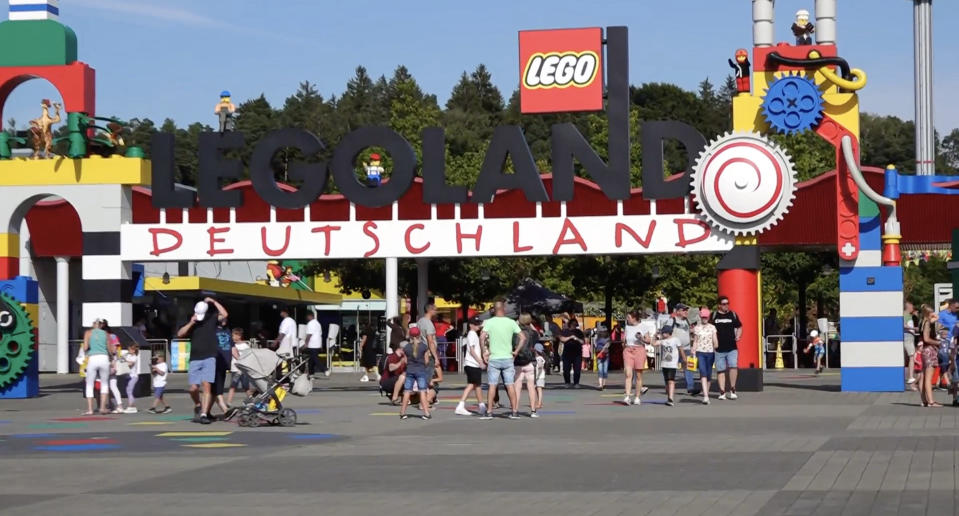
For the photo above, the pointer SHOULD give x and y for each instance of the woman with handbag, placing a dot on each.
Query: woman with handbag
(97, 349)
(602, 357)
(929, 339)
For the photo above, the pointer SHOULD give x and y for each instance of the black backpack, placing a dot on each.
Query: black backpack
(527, 355)
(381, 364)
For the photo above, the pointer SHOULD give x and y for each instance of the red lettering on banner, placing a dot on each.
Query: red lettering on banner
(367, 229)
(163, 231)
(476, 237)
(516, 247)
(562, 240)
(409, 244)
(274, 252)
(214, 240)
(620, 228)
(681, 225)
(328, 230)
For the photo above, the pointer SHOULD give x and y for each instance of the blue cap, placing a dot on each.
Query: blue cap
(666, 330)
(225, 93)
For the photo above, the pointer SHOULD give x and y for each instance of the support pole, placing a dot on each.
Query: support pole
(422, 284)
(922, 54)
(392, 291)
(63, 314)
(739, 280)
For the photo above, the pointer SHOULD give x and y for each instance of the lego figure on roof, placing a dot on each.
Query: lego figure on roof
(802, 29)
(224, 110)
(374, 172)
(41, 129)
(741, 65)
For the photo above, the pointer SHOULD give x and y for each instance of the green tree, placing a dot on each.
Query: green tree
(411, 111)
(887, 140)
(918, 280)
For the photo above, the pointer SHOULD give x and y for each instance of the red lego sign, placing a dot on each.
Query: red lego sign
(561, 70)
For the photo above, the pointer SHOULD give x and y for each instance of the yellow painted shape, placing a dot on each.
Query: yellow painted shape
(196, 283)
(33, 310)
(384, 413)
(150, 423)
(193, 434)
(747, 240)
(857, 84)
(611, 395)
(95, 170)
(213, 445)
(9, 245)
(747, 114)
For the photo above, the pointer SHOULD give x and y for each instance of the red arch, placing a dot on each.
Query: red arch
(76, 83)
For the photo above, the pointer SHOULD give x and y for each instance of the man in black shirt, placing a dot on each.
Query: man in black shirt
(729, 329)
(203, 350)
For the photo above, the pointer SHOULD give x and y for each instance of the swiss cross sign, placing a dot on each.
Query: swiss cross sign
(561, 70)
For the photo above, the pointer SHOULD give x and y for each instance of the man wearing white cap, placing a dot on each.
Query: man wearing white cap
(203, 349)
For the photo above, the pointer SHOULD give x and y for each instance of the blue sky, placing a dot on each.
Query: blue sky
(171, 58)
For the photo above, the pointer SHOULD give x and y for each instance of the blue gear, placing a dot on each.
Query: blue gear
(793, 104)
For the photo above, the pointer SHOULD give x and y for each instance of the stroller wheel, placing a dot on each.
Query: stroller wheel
(243, 419)
(287, 417)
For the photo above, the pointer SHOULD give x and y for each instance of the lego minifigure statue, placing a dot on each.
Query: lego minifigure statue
(802, 29)
(741, 65)
(224, 110)
(374, 172)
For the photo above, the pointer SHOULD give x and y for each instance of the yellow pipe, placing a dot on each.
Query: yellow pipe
(845, 84)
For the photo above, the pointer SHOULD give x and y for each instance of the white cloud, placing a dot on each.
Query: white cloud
(161, 12)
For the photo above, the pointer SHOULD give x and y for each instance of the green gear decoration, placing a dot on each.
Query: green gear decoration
(16, 340)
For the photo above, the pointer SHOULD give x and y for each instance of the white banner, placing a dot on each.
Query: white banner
(634, 234)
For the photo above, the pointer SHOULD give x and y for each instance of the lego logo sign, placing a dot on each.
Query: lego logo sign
(561, 70)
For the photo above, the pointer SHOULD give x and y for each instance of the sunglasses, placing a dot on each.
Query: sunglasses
(724, 303)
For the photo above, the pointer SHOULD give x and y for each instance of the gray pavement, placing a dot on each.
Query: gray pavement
(799, 447)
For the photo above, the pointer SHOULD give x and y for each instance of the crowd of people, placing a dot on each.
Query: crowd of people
(929, 344)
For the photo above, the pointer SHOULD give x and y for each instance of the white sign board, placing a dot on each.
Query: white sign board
(943, 291)
(632, 234)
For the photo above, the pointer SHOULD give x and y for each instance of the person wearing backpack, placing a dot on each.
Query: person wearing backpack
(680, 323)
(729, 329)
(525, 362)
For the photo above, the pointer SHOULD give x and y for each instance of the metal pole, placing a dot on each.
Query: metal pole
(63, 314)
(825, 22)
(764, 33)
(392, 291)
(422, 284)
(922, 55)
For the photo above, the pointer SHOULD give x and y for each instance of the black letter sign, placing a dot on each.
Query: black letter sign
(400, 178)
(164, 193)
(212, 167)
(508, 141)
(655, 185)
(312, 175)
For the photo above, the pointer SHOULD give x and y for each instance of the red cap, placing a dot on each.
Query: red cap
(375, 156)
(741, 52)
(414, 332)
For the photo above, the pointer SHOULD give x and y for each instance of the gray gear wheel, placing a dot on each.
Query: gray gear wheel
(16, 340)
(743, 183)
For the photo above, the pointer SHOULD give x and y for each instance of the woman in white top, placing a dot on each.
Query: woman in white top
(132, 358)
(704, 344)
(473, 365)
(635, 338)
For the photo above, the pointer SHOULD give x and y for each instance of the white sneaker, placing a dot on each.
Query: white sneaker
(326, 373)
(911, 381)
(481, 409)
(705, 400)
(461, 410)
(130, 410)
(721, 396)
(365, 378)
(732, 396)
(636, 401)
(533, 414)
(626, 400)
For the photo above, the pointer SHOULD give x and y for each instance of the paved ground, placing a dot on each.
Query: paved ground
(800, 447)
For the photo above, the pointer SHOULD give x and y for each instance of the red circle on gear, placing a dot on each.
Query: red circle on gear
(779, 177)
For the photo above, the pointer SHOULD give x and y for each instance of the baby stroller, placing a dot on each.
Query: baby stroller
(266, 406)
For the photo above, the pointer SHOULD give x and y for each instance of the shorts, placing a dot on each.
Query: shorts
(158, 391)
(909, 344)
(239, 381)
(669, 374)
(203, 370)
(930, 357)
(418, 379)
(727, 360)
(705, 364)
(526, 372)
(634, 358)
(500, 368)
(474, 375)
